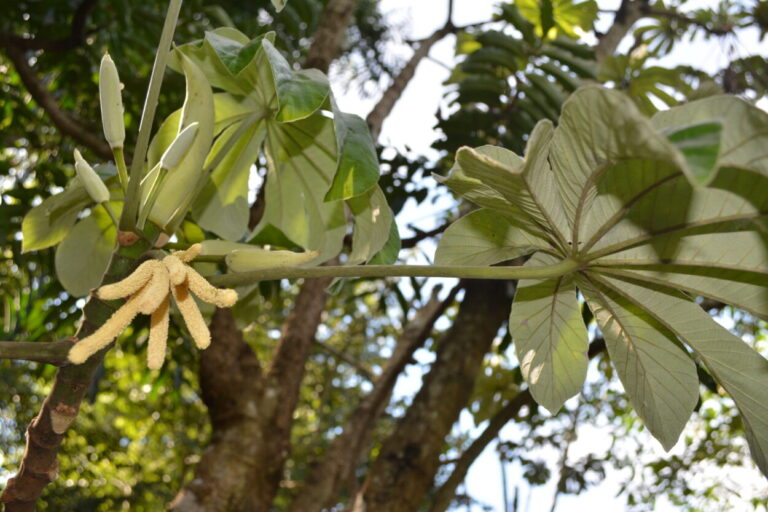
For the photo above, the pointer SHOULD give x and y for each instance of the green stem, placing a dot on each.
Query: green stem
(111, 213)
(122, 170)
(268, 274)
(133, 195)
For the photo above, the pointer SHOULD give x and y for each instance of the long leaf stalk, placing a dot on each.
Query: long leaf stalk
(133, 195)
(54, 352)
(267, 274)
(122, 169)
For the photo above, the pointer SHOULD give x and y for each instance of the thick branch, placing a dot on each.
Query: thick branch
(47, 102)
(340, 460)
(53, 352)
(75, 38)
(46, 432)
(330, 34)
(410, 456)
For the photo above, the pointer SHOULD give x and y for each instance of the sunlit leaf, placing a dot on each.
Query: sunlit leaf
(550, 337)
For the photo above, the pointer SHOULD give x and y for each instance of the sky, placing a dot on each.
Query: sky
(411, 124)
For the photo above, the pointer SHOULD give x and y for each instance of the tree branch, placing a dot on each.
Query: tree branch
(410, 457)
(383, 108)
(341, 458)
(46, 432)
(626, 16)
(52, 352)
(447, 491)
(43, 97)
(75, 39)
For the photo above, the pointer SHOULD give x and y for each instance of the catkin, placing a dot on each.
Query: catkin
(189, 254)
(192, 316)
(158, 336)
(223, 298)
(130, 284)
(104, 335)
(156, 290)
(176, 269)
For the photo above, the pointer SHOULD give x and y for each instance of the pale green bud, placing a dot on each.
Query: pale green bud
(111, 103)
(246, 260)
(179, 147)
(90, 180)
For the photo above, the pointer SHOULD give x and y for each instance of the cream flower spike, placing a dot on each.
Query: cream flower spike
(148, 290)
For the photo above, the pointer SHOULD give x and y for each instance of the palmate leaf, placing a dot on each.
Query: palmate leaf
(317, 157)
(648, 238)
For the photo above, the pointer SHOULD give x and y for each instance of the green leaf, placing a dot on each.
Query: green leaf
(222, 206)
(84, 254)
(700, 145)
(553, 16)
(178, 189)
(299, 93)
(373, 221)
(389, 253)
(48, 223)
(658, 375)
(737, 367)
(484, 237)
(301, 158)
(358, 167)
(550, 338)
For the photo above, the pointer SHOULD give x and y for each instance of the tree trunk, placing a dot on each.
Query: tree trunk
(330, 34)
(410, 457)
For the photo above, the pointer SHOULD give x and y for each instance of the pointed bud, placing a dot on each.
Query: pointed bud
(179, 147)
(90, 180)
(111, 103)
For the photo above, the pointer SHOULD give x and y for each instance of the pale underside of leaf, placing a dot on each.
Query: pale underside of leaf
(599, 128)
(550, 338)
(745, 290)
(659, 377)
(529, 185)
(485, 237)
(736, 366)
(744, 138)
(745, 251)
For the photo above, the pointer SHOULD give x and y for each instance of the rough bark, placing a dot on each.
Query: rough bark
(330, 34)
(338, 464)
(410, 456)
(251, 410)
(46, 432)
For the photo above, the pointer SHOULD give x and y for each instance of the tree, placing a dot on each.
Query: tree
(607, 238)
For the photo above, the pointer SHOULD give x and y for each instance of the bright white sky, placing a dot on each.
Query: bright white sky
(411, 123)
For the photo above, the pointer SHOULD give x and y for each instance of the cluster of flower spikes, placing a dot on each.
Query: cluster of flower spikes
(148, 290)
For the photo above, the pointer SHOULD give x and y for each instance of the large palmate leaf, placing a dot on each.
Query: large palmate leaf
(623, 197)
(317, 157)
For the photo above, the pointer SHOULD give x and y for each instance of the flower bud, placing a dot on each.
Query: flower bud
(179, 147)
(90, 180)
(111, 103)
